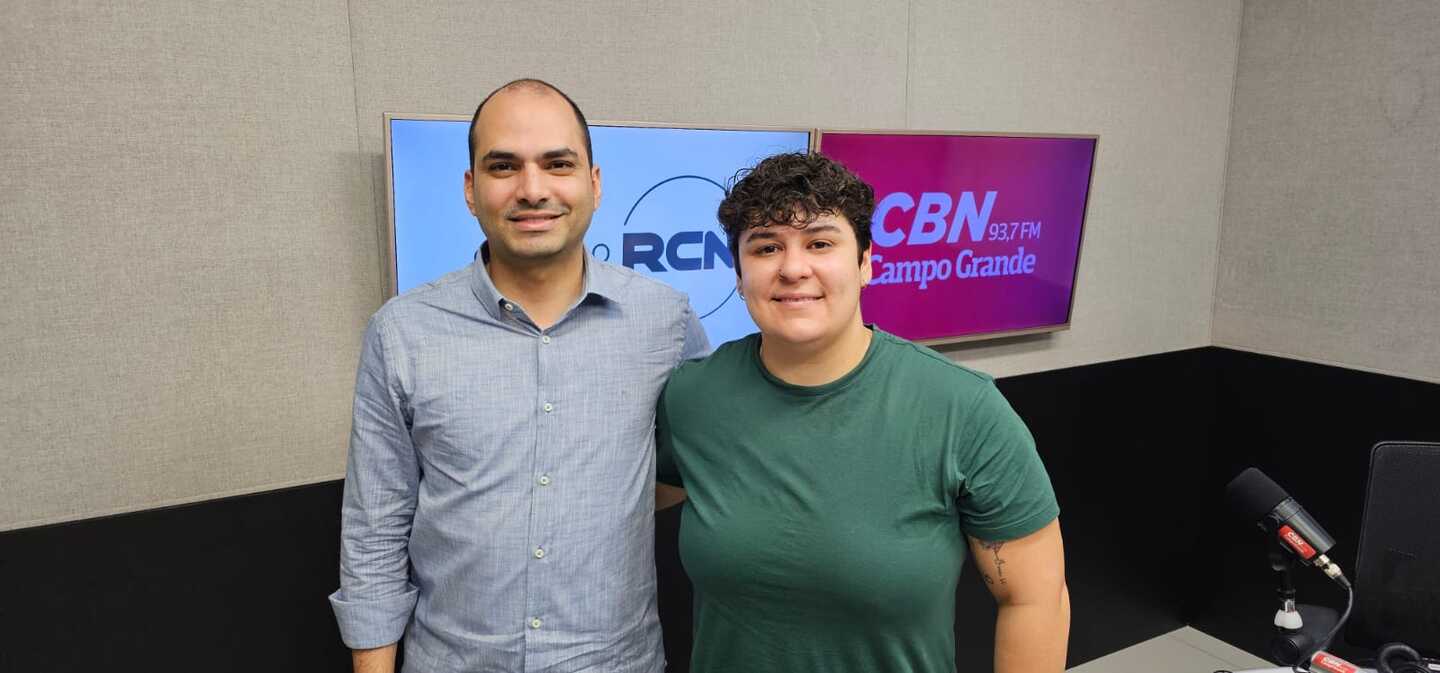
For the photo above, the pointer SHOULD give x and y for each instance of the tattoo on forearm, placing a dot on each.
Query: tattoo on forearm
(994, 548)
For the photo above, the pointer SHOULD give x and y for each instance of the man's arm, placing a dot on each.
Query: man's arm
(376, 599)
(1027, 578)
(378, 660)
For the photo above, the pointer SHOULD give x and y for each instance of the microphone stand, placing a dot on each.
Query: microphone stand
(1287, 617)
(1300, 629)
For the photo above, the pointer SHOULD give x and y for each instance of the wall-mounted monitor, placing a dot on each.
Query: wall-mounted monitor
(660, 187)
(975, 235)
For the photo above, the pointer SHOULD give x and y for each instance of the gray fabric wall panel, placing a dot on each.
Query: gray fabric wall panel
(192, 196)
(753, 62)
(1154, 81)
(1330, 237)
(188, 250)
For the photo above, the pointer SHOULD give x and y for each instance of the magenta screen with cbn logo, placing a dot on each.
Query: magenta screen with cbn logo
(972, 235)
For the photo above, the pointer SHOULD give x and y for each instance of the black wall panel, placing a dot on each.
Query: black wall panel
(238, 584)
(1139, 451)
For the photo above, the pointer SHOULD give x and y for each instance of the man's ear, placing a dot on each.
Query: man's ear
(595, 183)
(470, 190)
(866, 270)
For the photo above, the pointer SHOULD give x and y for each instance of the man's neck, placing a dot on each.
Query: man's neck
(816, 364)
(545, 289)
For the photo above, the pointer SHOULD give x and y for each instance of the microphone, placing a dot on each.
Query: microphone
(1255, 497)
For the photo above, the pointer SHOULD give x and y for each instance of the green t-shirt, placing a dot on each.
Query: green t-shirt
(825, 526)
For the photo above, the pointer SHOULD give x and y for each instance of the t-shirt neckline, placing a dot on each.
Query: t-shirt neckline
(811, 391)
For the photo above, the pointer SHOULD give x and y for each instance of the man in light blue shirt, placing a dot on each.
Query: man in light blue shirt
(498, 508)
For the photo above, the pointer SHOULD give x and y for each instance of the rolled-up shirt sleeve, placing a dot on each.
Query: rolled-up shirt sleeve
(376, 598)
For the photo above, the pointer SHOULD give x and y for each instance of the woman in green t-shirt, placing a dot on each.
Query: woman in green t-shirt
(838, 476)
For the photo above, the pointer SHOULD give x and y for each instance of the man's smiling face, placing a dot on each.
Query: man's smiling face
(532, 188)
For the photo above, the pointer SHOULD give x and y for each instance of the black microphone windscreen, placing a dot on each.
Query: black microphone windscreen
(1253, 495)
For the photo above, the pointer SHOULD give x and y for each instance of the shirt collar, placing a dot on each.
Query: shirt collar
(600, 282)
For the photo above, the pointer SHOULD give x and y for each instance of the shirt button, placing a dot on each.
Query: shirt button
(545, 339)
(539, 553)
(509, 306)
(535, 623)
(544, 480)
(549, 407)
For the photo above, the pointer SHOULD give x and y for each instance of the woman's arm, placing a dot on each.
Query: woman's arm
(1027, 578)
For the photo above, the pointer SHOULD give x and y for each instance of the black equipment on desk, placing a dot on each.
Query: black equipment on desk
(1397, 571)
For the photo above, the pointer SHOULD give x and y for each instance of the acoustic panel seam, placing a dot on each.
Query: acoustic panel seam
(1225, 175)
(909, 51)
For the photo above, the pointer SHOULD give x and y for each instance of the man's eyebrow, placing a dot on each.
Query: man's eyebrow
(562, 153)
(549, 155)
(499, 154)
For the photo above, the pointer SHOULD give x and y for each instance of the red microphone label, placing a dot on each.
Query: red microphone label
(1324, 661)
(1301, 547)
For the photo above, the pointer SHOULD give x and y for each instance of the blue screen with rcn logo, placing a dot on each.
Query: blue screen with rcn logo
(660, 188)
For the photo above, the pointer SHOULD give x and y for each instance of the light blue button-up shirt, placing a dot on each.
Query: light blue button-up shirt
(499, 500)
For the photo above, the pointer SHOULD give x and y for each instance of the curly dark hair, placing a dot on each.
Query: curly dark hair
(794, 189)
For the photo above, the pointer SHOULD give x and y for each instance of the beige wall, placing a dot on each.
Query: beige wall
(1332, 204)
(189, 252)
(190, 196)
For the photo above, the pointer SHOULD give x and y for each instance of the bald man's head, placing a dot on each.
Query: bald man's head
(530, 85)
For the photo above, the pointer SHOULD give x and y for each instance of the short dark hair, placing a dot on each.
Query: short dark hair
(795, 189)
(534, 84)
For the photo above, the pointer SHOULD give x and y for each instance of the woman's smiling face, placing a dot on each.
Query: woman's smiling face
(802, 283)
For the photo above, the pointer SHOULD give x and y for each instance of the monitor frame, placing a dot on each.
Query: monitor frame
(818, 146)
